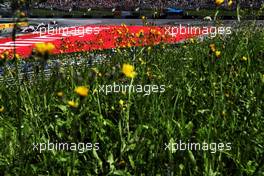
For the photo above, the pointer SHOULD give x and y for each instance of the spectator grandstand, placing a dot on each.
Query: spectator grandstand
(128, 4)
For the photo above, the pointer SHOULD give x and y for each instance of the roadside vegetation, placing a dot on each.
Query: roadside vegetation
(214, 93)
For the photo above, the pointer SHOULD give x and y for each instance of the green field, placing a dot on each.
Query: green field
(207, 99)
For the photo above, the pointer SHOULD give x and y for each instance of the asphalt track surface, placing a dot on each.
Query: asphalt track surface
(74, 22)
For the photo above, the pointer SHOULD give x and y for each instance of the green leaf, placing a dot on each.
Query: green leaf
(131, 161)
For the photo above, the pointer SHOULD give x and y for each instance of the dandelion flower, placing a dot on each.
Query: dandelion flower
(219, 2)
(121, 102)
(149, 48)
(244, 58)
(44, 48)
(73, 104)
(129, 70)
(6, 53)
(230, 3)
(122, 162)
(218, 54)
(60, 94)
(119, 32)
(17, 56)
(2, 108)
(212, 47)
(223, 113)
(82, 91)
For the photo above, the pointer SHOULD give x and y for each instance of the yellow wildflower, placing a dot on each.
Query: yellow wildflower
(218, 54)
(212, 47)
(133, 41)
(122, 162)
(17, 56)
(60, 94)
(244, 58)
(119, 32)
(143, 17)
(73, 104)
(128, 70)
(44, 48)
(140, 33)
(82, 91)
(6, 53)
(230, 3)
(152, 31)
(121, 102)
(148, 73)
(219, 2)
(223, 113)
(2, 108)
(22, 14)
(149, 48)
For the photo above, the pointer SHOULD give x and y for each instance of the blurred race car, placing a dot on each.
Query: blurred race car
(173, 12)
(54, 22)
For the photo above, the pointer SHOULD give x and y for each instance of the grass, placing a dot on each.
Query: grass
(206, 99)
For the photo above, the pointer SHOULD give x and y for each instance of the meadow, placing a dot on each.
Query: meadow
(214, 93)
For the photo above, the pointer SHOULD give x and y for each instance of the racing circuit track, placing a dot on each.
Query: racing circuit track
(103, 30)
(108, 29)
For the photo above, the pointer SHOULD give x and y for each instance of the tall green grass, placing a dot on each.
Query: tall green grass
(206, 99)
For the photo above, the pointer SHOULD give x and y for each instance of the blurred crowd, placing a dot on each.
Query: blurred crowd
(131, 4)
